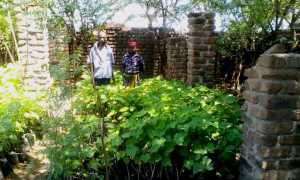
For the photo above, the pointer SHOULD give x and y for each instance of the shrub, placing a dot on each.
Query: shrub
(18, 114)
(163, 124)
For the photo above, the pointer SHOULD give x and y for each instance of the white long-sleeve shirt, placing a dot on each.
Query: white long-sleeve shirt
(102, 61)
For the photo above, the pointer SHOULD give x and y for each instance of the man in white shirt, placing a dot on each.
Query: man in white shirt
(101, 58)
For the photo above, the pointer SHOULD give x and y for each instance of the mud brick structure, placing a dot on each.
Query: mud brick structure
(201, 48)
(271, 133)
(176, 58)
(33, 48)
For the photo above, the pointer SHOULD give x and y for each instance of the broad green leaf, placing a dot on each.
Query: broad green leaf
(131, 150)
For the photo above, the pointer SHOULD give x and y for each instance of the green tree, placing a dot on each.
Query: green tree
(253, 26)
(268, 16)
(168, 10)
(8, 42)
(78, 15)
(151, 10)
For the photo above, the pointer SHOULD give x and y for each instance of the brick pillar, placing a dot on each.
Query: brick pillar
(271, 134)
(176, 58)
(33, 48)
(201, 45)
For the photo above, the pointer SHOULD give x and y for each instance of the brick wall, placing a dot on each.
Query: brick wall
(167, 53)
(33, 49)
(201, 48)
(271, 134)
(152, 46)
(176, 58)
(146, 41)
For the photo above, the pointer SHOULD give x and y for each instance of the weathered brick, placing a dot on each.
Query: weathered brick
(195, 27)
(209, 68)
(200, 14)
(279, 61)
(294, 174)
(269, 164)
(196, 61)
(274, 152)
(211, 40)
(246, 167)
(197, 20)
(254, 160)
(277, 48)
(251, 73)
(251, 97)
(200, 33)
(244, 174)
(270, 87)
(275, 175)
(291, 87)
(278, 101)
(194, 53)
(209, 54)
(244, 151)
(266, 140)
(197, 47)
(274, 127)
(289, 163)
(293, 61)
(271, 115)
(271, 61)
(278, 74)
(269, 175)
(289, 139)
(265, 86)
(296, 151)
(248, 121)
(296, 129)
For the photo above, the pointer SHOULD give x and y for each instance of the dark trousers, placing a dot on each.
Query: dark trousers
(101, 81)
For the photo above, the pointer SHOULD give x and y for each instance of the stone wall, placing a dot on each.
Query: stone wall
(176, 58)
(33, 49)
(271, 133)
(201, 48)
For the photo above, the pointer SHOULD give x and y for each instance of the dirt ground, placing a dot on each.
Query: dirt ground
(35, 168)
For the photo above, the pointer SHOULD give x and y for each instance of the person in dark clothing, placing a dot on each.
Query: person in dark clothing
(132, 65)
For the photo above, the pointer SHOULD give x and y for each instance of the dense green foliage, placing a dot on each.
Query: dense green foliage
(18, 114)
(249, 28)
(160, 123)
(8, 51)
(169, 11)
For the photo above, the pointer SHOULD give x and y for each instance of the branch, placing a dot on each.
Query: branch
(287, 8)
(12, 30)
(295, 17)
(7, 49)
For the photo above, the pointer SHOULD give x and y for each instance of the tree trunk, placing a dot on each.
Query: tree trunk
(150, 20)
(8, 50)
(12, 30)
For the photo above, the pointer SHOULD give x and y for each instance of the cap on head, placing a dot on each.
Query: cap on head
(133, 44)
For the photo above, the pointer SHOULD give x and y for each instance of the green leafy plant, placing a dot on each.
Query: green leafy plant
(161, 128)
(18, 113)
